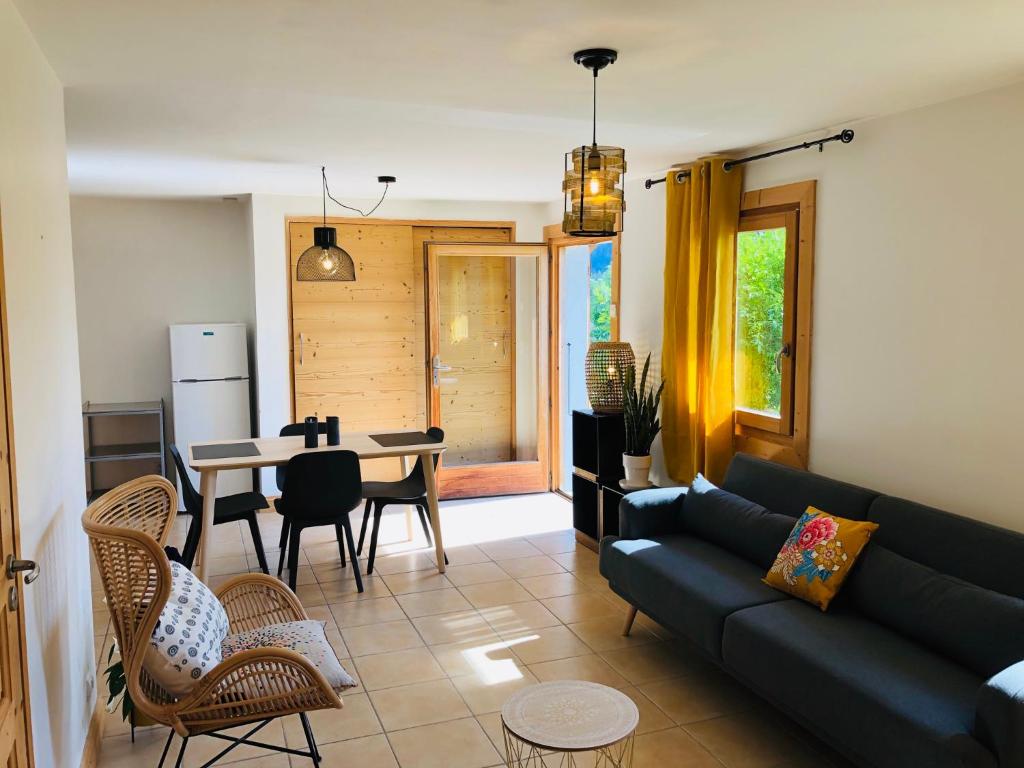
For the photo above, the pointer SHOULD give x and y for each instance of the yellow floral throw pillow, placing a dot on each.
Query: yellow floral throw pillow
(817, 556)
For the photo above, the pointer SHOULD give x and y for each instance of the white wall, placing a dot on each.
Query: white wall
(916, 362)
(40, 286)
(268, 213)
(141, 265)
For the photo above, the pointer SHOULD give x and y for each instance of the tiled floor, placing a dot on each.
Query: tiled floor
(436, 656)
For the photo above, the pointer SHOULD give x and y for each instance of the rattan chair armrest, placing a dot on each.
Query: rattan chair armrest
(256, 684)
(254, 600)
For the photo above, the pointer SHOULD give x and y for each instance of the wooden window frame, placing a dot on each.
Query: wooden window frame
(785, 438)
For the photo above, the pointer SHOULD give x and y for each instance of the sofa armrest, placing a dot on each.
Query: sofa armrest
(643, 514)
(999, 719)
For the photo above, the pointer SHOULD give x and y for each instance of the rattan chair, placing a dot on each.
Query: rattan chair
(127, 528)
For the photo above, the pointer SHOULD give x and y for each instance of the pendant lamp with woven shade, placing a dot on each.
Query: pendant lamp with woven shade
(594, 173)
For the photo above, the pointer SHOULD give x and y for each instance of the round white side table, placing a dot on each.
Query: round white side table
(547, 725)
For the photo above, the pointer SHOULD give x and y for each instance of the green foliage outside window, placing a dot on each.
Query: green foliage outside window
(760, 287)
(601, 292)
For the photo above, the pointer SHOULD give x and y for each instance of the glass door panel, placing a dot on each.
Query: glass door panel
(488, 310)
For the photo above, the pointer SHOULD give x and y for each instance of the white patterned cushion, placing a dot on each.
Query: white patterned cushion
(186, 642)
(305, 637)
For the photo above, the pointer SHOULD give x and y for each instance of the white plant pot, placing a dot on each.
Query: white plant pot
(637, 470)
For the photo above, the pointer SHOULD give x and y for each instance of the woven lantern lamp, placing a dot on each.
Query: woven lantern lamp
(605, 365)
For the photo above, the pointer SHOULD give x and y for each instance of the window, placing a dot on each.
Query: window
(774, 248)
(601, 291)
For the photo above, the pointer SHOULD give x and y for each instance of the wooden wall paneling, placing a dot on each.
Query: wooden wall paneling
(358, 350)
(363, 344)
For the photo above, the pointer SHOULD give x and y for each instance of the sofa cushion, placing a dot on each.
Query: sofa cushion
(650, 513)
(688, 584)
(878, 695)
(979, 628)
(790, 491)
(818, 555)
(982, 554)
(743, 527)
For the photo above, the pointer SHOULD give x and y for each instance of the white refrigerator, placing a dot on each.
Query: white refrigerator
(210, 389)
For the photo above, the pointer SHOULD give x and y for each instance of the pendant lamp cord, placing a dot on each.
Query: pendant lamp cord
(595, 109)
(327, 194)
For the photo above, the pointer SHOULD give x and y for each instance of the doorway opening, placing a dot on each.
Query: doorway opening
(584, 309)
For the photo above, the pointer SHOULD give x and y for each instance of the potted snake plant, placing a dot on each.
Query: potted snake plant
(640, 409)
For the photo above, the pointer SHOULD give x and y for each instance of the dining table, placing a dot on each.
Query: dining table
(211, 458)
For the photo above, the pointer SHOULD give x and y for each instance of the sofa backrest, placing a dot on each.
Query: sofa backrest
(949, 582)
(971, 550)
(790, 491)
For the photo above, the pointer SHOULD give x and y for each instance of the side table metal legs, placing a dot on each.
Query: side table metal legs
(521, 754)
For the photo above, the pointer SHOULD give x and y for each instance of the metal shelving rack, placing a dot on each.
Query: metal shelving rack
(122, 451)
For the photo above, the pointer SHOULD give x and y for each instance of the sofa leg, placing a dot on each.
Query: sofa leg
(629, 621)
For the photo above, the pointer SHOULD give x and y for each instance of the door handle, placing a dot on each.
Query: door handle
(783, 352)
(438, 367)
(29, 567)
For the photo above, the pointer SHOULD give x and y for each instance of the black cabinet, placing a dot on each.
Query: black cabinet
(598, 440)
(586, 501)
(610, 498)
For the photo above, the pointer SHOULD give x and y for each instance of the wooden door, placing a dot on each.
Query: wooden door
(487, 368)
(15, 743)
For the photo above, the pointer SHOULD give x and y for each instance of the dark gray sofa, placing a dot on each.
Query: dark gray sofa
(917, 661)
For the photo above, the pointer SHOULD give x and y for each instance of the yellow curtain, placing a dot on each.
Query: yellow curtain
(702, 213)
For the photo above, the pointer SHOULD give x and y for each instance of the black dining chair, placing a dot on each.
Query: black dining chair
(410, 490)
(228, 509)
(289, 430)
(321, 488)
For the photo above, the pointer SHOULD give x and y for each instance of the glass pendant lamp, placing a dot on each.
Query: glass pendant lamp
(594, 174)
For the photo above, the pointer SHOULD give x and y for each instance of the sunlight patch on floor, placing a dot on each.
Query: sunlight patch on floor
(475, 521)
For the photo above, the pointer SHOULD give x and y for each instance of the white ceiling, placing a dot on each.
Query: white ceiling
(479, 99)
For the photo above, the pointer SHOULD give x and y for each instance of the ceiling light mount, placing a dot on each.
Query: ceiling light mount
(595, 59)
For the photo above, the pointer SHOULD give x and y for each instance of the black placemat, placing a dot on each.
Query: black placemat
(396, 439)
(224, 451)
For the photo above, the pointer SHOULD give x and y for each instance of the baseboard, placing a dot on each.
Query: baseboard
(94, 738)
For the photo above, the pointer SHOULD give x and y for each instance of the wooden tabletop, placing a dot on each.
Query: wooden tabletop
(275, 451)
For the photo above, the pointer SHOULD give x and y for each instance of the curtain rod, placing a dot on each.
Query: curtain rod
(845, 136)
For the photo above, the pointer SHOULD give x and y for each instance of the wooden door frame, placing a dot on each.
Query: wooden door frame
(475, 479)
(556, 240)
(5, 350)
(370, 221)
